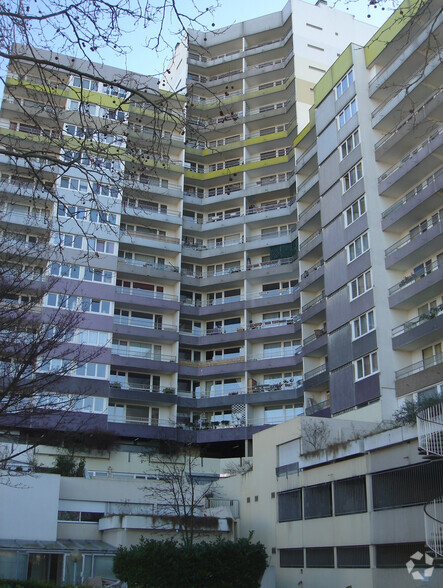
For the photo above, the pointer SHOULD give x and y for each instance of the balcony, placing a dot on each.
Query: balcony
(308, 189)
(312, 246)
(141, 297)
(135, 266)
(416, 245)
(419, 375)
(417, 287)
(316, 344)
(419, 201)
(420, 331)
(317, 379)
(321, 409)
(423, 159)
(313, 277)
(309, 218)
(312, 303)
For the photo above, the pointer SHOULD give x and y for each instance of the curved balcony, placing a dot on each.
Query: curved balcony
(430, 441)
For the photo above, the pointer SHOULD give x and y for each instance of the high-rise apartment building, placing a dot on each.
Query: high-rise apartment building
(194, 272)
(282, 258)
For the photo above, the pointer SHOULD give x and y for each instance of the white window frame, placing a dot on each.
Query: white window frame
(355, 211)
(347, 113)
(366, 276)
(344, 83)
(352, 176)
(363, 324)
(358, 246)
(366, 366)
(349, 144)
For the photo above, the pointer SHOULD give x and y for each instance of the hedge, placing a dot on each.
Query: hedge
(166, 564)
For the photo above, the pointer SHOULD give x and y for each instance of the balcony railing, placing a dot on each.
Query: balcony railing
(267, 207)
(412, 193)
(144, 323)
(309, 240)
(145, 293)
(415, 276)
(423, 227)
(142, 354)
(231, 505)
(276, 355)
(209, 363)
(153, 236)
(275, 323)
(419, 366)
(307, 210)
(307, 180)
(143, 388)
(315, 408)
(273, 263)
(315, 372)
(418, 320)
(315, 335)
(169, 267)
(312, 269)
(409, 155)
(314, 301)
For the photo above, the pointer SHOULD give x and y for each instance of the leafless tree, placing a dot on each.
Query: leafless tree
(179, 491)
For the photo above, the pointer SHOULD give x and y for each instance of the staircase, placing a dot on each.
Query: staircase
(430, 443)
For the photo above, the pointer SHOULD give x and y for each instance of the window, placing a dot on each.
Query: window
(64, 270)
(395, 555)
(353, 557)
(407, 486)
(349, 144)
(352, 176)
(366, 366)
(350, 496)
(85, 84)
(289, 506)
(363, 324)
(101, 246)
(88, 337)
(317, 501)
(320, 557)
(71, 241)
(74, 184)
(70, 516)
(347, 113)
(95, 275)
(91, 370)
(355, 211)
(77, 212)
(97, 216)
(344, 83)
(90, 404)
(360, 285)
(358, 247)
(105, 190)
(291, 558)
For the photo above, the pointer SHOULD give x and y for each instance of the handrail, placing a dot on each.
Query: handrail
(314, 301)
(410, 237)
(415, 276)
(308, 209)
(434, 525)
(412, 193)
(145, 293)
(315, 372)
(419, 366)
(417, 320)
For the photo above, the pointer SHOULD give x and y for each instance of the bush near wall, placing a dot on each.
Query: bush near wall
(167, 564)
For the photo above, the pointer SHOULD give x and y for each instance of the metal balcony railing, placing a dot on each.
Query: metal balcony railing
(144, 323)
(315, 408)
(412, 193)
(419, 366)
(409, 155)
(423, 227)
(145, 293)
(314, 301)
(417, 320)
(315, 372)
(312, 269)
(415, 276)
(169, 267)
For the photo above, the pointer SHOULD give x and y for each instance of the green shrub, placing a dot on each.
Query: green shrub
(163, 564)
(407, 413)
